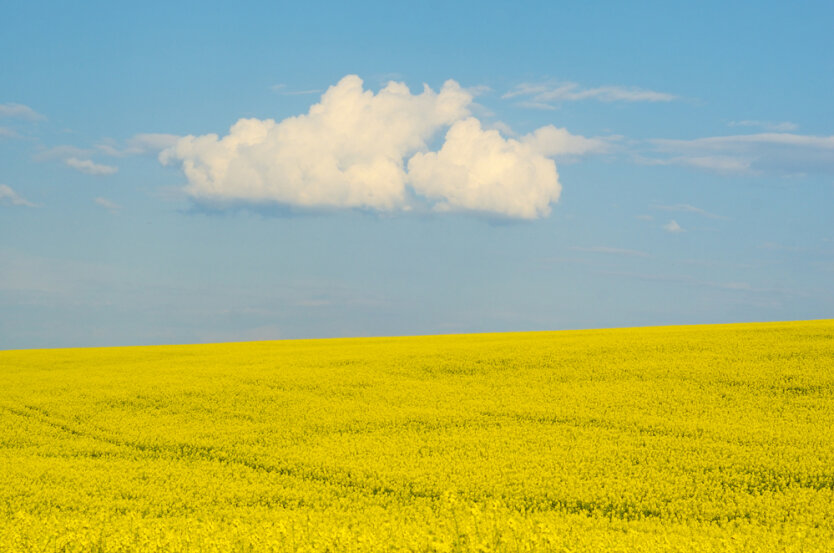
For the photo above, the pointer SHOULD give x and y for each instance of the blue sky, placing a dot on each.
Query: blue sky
(568, 166)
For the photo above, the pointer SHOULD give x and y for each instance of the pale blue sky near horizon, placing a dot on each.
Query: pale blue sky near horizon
(694, 144)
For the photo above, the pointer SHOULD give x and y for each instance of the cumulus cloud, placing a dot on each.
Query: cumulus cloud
(672, 226)
(20, 111)
(89, 167)
(358, 149)
(346, 152)
(479, 170)
(545, 95)
(9, 197)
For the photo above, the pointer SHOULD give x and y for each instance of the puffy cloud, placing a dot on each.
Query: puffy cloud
(20, 111)
(9, 197)
(544, 95)
(347, 151)
(479, 170)
(358, 149)
(89, 166)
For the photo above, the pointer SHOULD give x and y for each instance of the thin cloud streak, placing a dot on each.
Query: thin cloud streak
(284, 91)
(781, 153)
(544, 95)
(784, 126)
(686, 208)
(90, 167)
(110, 206)
(9, 197)
(139, 144)
(613, 251)
(20, 111)
(692, 281)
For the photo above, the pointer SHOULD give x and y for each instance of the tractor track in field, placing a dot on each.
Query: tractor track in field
(191, 451)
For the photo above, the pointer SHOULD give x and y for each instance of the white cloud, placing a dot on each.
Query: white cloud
(346, 152)
(61, 152)
(10, 197)
(672, 226)
(751, 153)
(20, 111)
(284, 90)
(552, 141)
(8, 133)
(544, 95)
(107, 204)
(784, 126)
(479, 170)
(686, 208)
(357, 149)
(89, 166)
(725, 165)
(140, 144)
(691, 281)
(613, 251)
(723, 143)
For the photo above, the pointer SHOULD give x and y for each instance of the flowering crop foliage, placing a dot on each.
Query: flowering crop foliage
(700, 438)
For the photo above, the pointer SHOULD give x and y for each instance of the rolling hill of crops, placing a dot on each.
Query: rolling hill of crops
(699, 438)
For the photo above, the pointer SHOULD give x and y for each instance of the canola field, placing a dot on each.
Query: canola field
(698, 438)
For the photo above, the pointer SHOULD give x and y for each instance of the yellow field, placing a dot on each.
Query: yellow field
(700, 438)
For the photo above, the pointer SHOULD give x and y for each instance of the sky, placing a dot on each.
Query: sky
(195, 172)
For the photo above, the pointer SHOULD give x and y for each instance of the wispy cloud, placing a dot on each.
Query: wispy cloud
(723, 165)
(20, 111)
(784, 126)
(686, 208)
(139, 144)
(777, 247)
(784, 153)
(61, 152)
(739, 286)
(9, 197)
(545, 95)
(90, 167)
(284, 90)
(613, 251)
(672, 226)
(110, 206)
